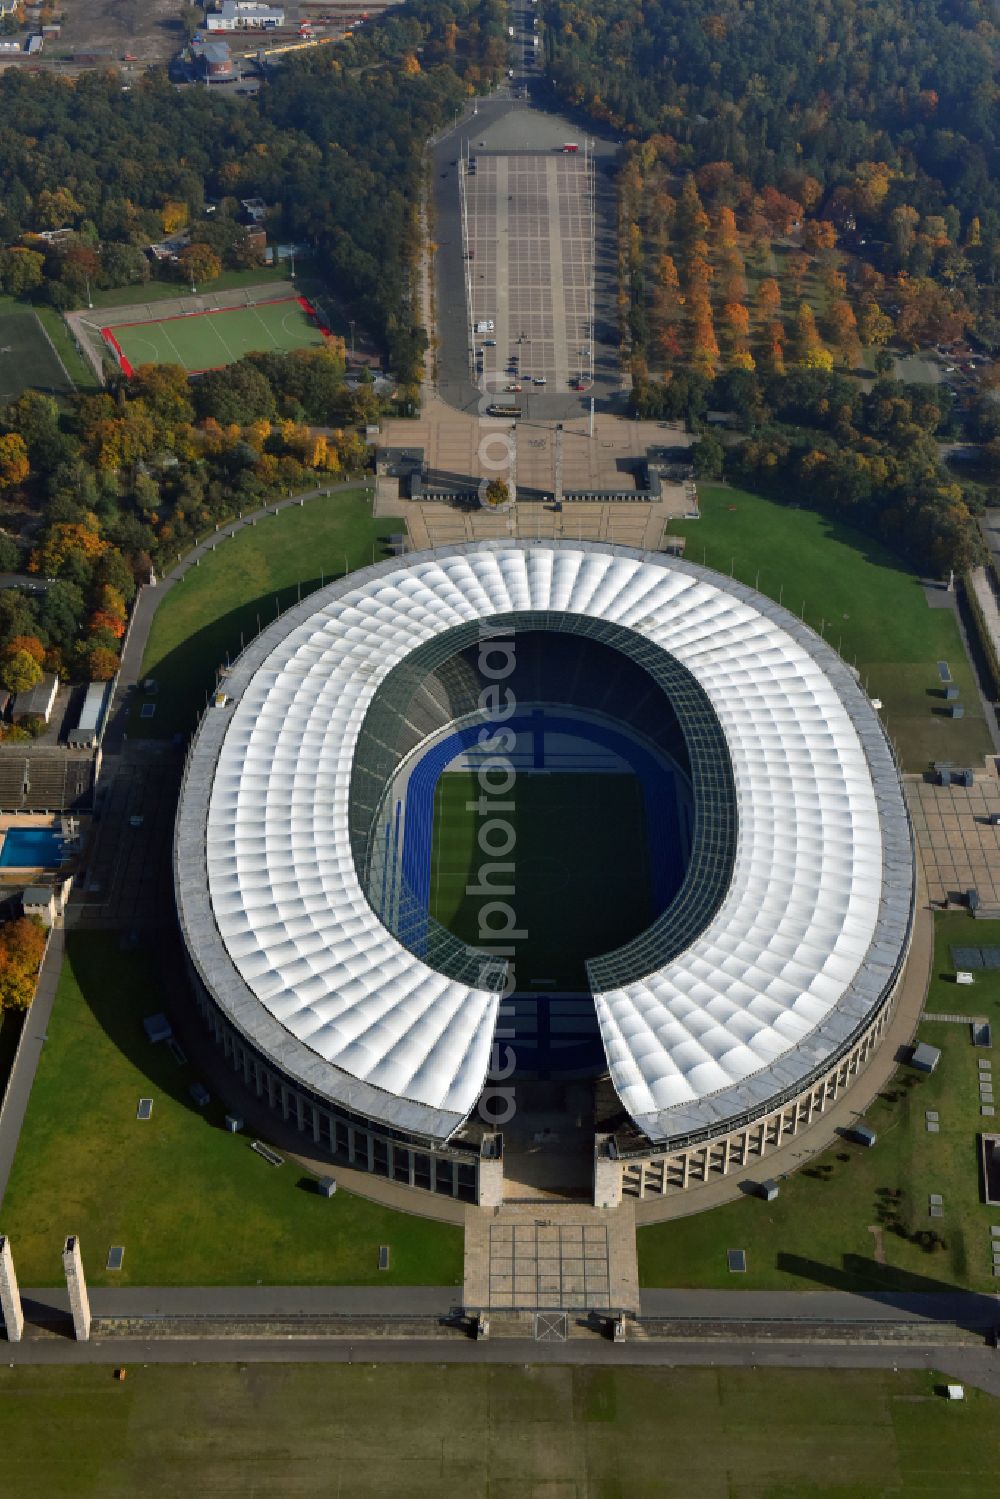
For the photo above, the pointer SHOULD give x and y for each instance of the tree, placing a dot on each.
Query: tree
(14, 465)
(22, 946)
(725, 228)
(809, 350)
(21, 270)
(883, 363)
(708, 457)
(199, 263)
(903, 223)
(101, 663)
(122, 265)
(30, 644)
(62, 610)
(780, 211)
(842, 327)
(875, 327)
(768, 299)
(737, 319)
(10, 554)
(819, 234)
(166, 393)
(238, 394)
(19, 671)
(497, 492)
(797, 266)
(691, 221)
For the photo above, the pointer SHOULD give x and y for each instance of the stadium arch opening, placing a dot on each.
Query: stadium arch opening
(719, 934)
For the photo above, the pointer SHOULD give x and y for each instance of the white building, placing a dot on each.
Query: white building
(757, 995)
(245, 15)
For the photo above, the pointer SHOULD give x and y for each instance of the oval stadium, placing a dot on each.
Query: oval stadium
(554, 865)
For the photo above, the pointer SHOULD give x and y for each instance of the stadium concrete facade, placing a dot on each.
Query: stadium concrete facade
(753, 997)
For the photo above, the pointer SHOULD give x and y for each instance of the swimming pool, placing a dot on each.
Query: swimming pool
(29, 848)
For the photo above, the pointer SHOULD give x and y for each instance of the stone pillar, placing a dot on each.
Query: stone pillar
(489, 1177)
(10, 1295)
(76, 1285)
(608, 1173)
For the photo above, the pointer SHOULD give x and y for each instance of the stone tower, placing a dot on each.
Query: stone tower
(76, 1285)
(10, 1295)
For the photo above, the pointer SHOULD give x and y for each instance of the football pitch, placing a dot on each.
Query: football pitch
(199, 341)
(27, 358)
(581, 876)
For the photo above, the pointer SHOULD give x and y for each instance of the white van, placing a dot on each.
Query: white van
(486, 326)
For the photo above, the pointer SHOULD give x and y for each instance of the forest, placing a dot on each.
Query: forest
(812, 89)
(334, 145)
(97, 490)
(807, 191)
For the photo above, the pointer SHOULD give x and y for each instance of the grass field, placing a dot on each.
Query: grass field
(440, 1432)
(819, 1231)
(868, 604)
(207, 340)
(241, 587)
(192, 1204)
(567, 826)
(27, 358)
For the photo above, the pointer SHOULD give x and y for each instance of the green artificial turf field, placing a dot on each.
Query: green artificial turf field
(27, 358)
(207, 340)
(581, 868)
(440, 1431)
(866, 601)
(191, 1203)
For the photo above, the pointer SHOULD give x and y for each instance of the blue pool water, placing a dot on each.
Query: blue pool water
(31, 848)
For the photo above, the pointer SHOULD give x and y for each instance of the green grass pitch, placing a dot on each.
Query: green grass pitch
(438, 1431)
(581, 880)
(208, 340)
(27, 359)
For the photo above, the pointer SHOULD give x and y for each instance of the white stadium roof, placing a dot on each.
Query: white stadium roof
(798, 955)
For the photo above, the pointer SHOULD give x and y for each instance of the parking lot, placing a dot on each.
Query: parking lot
(530, 269)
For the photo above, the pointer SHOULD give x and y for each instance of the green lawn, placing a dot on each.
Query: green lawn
(79, 369)
(982, 997)
(866, 601)
(241, 587)
(566, 827)
(208, 340)
(817, 1232)
(442, 1431)
(191, 1203)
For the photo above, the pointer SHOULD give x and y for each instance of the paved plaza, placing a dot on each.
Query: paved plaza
(530, 268)
(959, 847)
(542, 1255)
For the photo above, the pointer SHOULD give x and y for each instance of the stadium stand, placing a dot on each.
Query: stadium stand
(46, 780)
